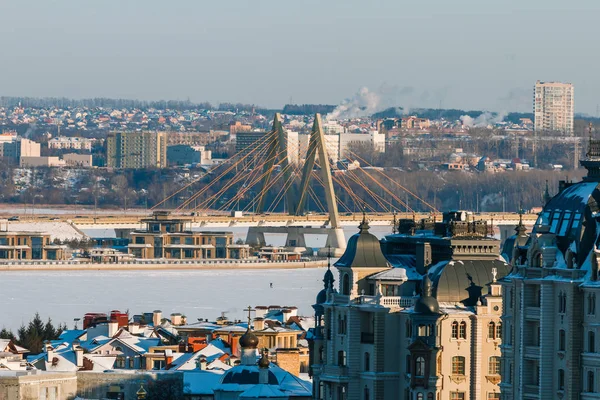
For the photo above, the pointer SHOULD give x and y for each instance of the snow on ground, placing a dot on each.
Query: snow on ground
(60, 230)
(197, 294)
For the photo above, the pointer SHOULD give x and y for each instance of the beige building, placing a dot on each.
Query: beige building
(172, 238)
(14, 150)
(421, 322)
(551, 348)
(30, 385)
(554, 107)
(136, 150)
(29, 246)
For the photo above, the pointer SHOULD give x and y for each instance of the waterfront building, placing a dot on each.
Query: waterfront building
(420, 319)
(29, 246)
(136, 150)
(554, 107)
(551, 346)
(172, 238)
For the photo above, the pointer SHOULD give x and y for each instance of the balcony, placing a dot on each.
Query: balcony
(385, 301)
(367, 337)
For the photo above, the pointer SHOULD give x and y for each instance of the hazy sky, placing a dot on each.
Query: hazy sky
(475, 54)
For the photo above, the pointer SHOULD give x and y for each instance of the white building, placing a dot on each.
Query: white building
(76, 143)
(553, 107)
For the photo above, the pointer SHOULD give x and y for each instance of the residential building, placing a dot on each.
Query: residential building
(172, 238)
(554, 107)
(414, 122)
(551, 327)
(411, 317)
(14, 150)
(29, 246)
(238, 126)
(24, 385)
(195, 138)
(70, 143)
(182, 154)
(78, 160)
(136, 149)
(245, 141)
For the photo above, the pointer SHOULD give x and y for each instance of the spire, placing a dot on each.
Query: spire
(592, 159)
(520, 228)
(328, 279)
(394, 224)
(547, 196)
(364, 225)
(249, 339)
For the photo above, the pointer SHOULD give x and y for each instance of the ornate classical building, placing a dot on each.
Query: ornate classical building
(551, 327)
(418, 321)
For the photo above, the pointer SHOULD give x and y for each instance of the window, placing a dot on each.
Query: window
(491, 330)
(561, 379)
(420, 366)
(457, 396)
(590, 382)
(341, 392)
(420, 396)
(455, 330)
(561, 340)
(494, 367)
(341, 358)
(429, 396)
(120, 363)
(342, 324)
(367, 362)
(493, 396)
(591, 342)
(131, 363)
(366, 394)
(462, 332)
(592, 304)
(346, 285)
(562, 303)
(408, 332)
(458, 365)
(499, 330)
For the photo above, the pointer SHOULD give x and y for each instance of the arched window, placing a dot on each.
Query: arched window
(499, 330)
(591, 304)
(454, 330)
(366, 394)
(562, 302)
(408, 332)
(341, 358)
(321, 354)
(591, 342)
(590, 382)
(367, 362)
(420, 396)
(119, 349)
(429, 396)
(561, 379)
(561, 340)
(494, 367)
(420, 366)
(462, 331)
(346, 285)
(458, 365)
(491, 330)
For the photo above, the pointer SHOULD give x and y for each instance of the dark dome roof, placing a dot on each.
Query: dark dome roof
(264, 360)
(328, 280)
(427, 305)
(322, 296)
(464, 281)
(363, 250)
(246, 376)
(249, 340)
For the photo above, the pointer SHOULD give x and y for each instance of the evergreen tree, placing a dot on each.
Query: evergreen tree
(7, 334)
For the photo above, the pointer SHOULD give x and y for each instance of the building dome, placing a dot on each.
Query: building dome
(427, 304)
(328, 281)
(363, 250)
(249, 340)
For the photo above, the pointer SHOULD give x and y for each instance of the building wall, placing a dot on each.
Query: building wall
(553, 107)
(136, 150)
(41, 385)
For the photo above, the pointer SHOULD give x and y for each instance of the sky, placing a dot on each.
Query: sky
(469, 54)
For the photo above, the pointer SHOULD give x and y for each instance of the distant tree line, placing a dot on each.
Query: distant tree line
(307, 109)
(33, 336)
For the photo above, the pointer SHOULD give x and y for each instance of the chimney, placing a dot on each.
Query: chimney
(208, 338)
(260, 311)
(287, 313)
(175, 319)
(49, 351)
(202, 363)
(156, 317)
(113, 328)
(259, 324)
(168, 358)
(78, 354)
(424, 257)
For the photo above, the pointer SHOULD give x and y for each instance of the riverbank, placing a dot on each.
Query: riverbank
(222, 265)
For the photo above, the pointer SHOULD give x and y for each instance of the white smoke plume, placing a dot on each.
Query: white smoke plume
(482, 121)
(367, 102)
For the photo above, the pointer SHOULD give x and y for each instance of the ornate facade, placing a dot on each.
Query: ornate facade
(418, 321)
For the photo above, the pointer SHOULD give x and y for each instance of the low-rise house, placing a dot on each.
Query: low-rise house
(29, 246)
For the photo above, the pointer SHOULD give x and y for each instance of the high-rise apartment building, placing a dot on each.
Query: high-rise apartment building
(553, 107)
(136, 150)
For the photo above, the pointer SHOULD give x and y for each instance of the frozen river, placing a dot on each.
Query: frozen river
(64, 296)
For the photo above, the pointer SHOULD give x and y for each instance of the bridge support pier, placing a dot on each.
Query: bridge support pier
(335, 244)
(296, 238)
